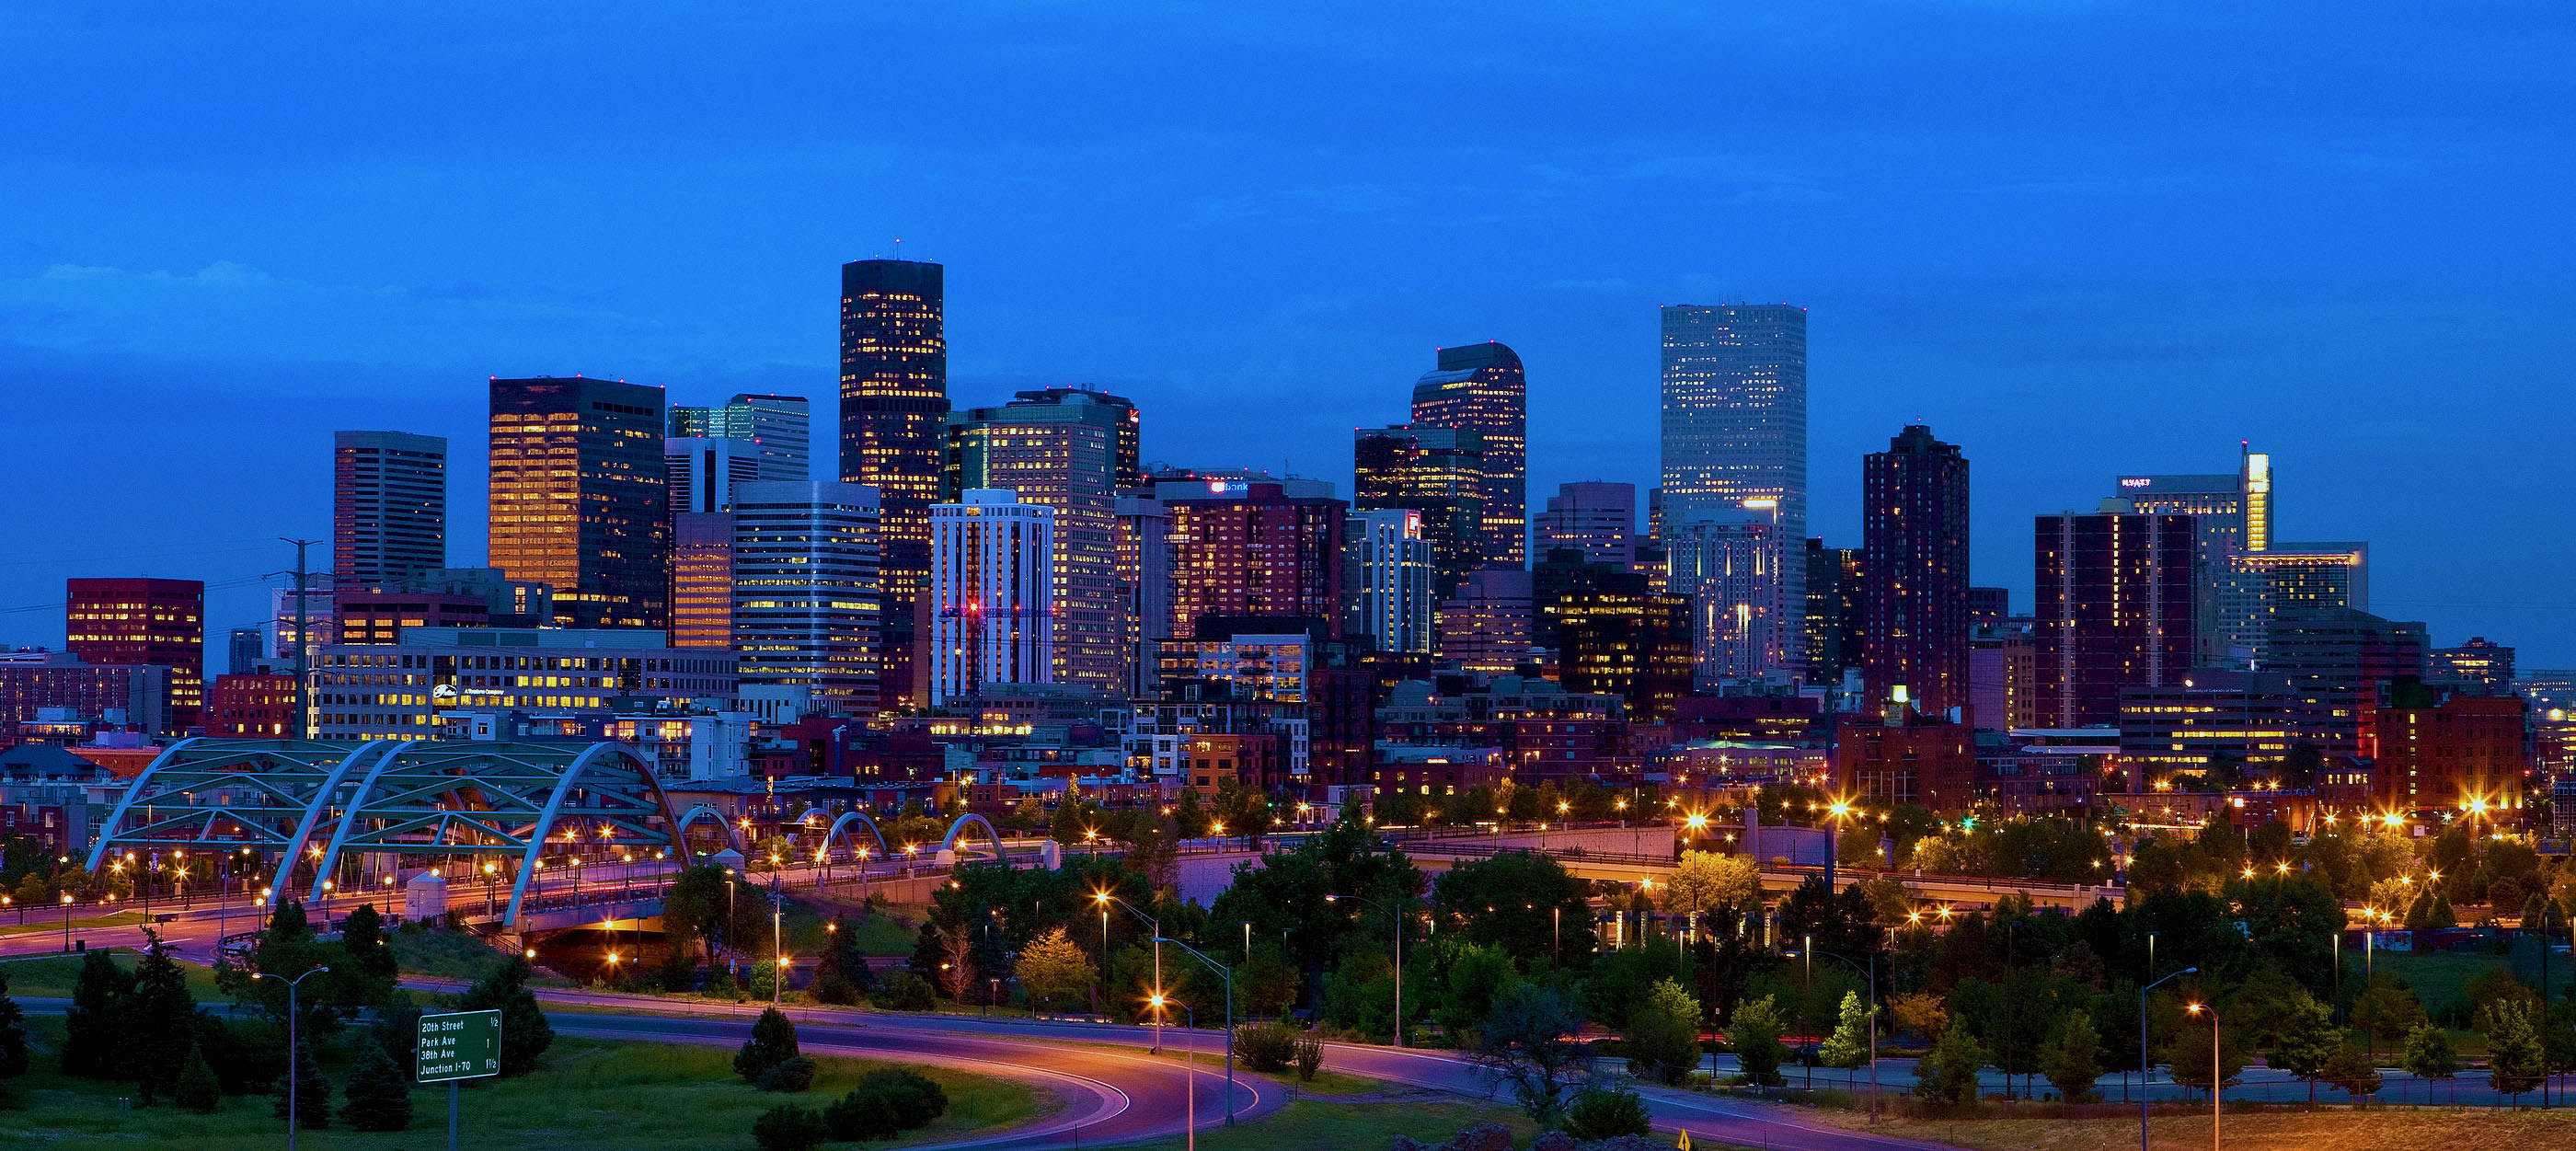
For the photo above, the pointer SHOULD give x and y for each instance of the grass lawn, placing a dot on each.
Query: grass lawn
(52, 977)
(37, 924)
(1309, 1123)
(2441, 978)
(454, 955)
(2381, 1128)
(588, 1094)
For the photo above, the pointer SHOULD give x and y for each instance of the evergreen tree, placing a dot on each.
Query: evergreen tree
(525, 1033)
(833, 981)
(311, 1092)
(371, 955)
(94, 1027)
(198, 1088)
(13, 1034)
(159, 1021)
(772, 1042)
(397, 1026)
(2072, 1057)
(379, 1096)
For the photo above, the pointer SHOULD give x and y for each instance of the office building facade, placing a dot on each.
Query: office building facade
(1065, 448)
(1835, 622)
(580, 497)
(779, 428)
(1730, 565)
(1597, 518)
(702, 471)
(437, 677)
(805, 597)
(1635, 645)
(991, 591)
(1482, 388)
(2116, 604)
(388, 506)
(894, 394)
(140, 620)
(1437, 473)
(1734, 424)
(1251, 547)
(1387, 577)
(1914, 572)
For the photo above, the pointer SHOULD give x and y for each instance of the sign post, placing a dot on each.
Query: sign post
(455, 1046)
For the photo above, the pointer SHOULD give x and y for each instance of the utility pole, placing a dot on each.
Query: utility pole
(303, 672)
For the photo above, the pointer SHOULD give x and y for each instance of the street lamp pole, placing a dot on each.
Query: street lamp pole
(1190, 1057)
(1872, 972)
(1399, 957)
(1104, 899)
(291, 1049)
(2196, 1009)
(1228, 973)
(2143, 1065)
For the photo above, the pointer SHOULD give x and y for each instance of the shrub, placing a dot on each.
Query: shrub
(1310, 1058)
(903, 990)
(772, 1042)
(1606, 1113)
(378, 1093)
(888, 1101)
(792, 1074)
(1268, 1049)
(788, 1127)
(198, 1089)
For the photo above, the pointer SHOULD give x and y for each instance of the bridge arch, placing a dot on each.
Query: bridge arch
(703, 814)
(839, 830)
(957, 832)
(268, 796)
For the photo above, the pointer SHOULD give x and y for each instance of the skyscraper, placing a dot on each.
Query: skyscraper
(805, 589)
(152, 622)
(1835, 622)
(780, 428)
(701, 471)
(1064, 448)
(1387, 574)
(991, 593)
(580, 498)
(894, 393)
(388, 506)
(1914, 572)
(1145, 567)
(702, 579)
(1254, 547)
(2231, 514)
(2116, 592)
(1435, 472)
(1632, 644)
(1598, 518)
(1743, 625)
(1488, 626)
(1735, 417)
(1482, 388)
(2258, 587)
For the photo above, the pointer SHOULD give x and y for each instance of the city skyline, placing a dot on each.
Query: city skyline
(2024, 293)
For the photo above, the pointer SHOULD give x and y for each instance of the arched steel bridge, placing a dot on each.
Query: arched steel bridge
(297, 803)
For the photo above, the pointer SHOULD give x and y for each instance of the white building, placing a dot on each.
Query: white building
(805, 590)
(1744, 626)
(992, 593)
(1388, 573)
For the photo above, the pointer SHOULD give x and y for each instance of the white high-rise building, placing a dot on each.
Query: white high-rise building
(1387, 577)
(1735, 418)
(1597, 518)
(702, 471)
(992, 593)
(1744, 624)
(805, 598)
(779, 428)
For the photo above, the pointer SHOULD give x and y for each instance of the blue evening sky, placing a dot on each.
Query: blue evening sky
(2077, 238)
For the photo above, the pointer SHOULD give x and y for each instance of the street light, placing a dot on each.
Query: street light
(2197, 1008)
(291, 985)
(1228, 973)
(2143, 1065)
(1190, 1057)
(1104, 899)
(1872, 972)
(1399, 956)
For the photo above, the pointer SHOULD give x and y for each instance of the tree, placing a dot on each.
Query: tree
(1468, 977)
(371, 955)
(199, 1089)
(2304, 1040)
(2428, 1056)
(1921, 1014)
(1190, 815)
(378, 1095)
(1755, 1034)
(1522, 901)
(1946, 1076)
(13, 1034)
(159, 1021)
(2188, 1058)
(2352, 1070)
(1663, 1035)
(397, 1026)
(1705, 881)
(693, 907)
(2513, 1046)
(772, 1042)
(94, 1026)
(1053, 968)
(1529, 1043)
(525, 1034)
(1848, 1047)
(2386, 1007)
(840, 974)
(311, 1093)
(2072, 1057)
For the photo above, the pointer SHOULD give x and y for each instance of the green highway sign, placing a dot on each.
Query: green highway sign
(460, 1045)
